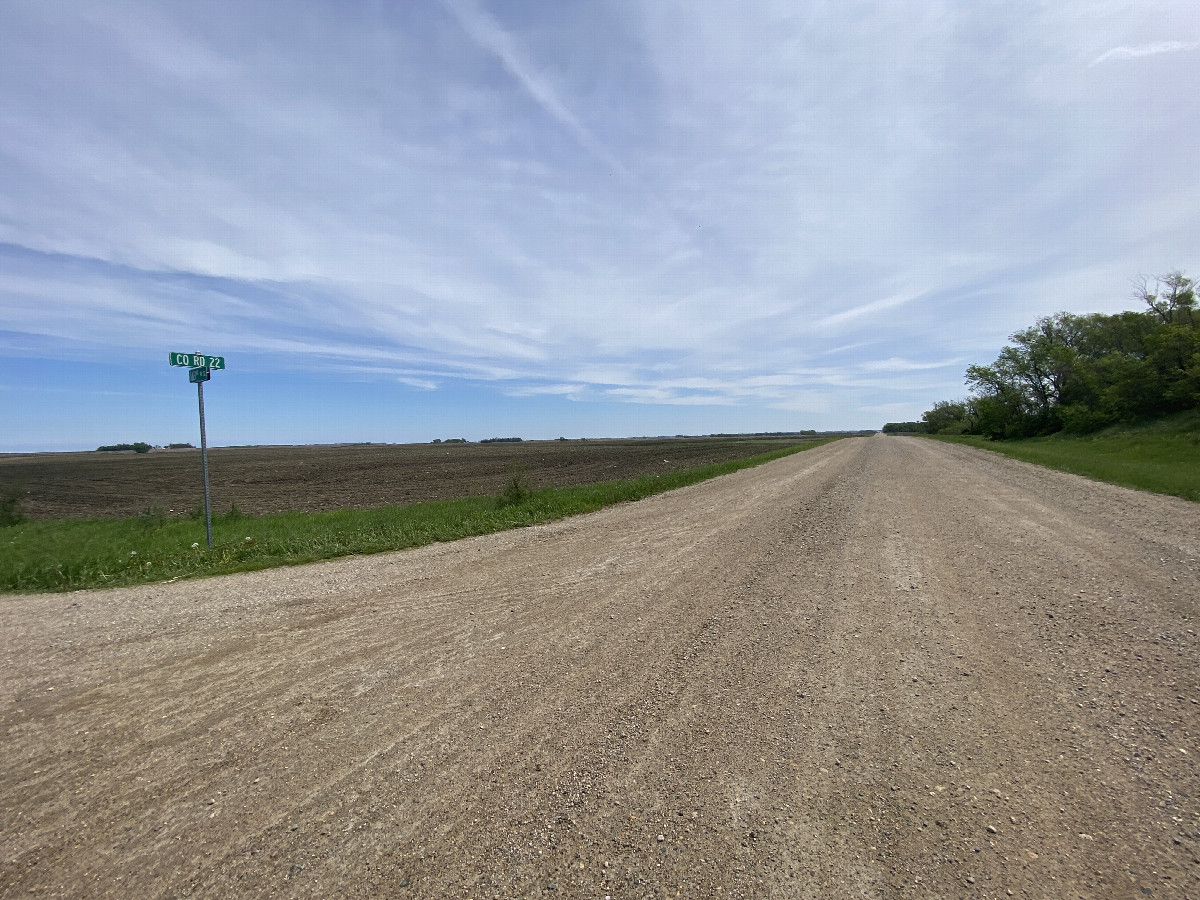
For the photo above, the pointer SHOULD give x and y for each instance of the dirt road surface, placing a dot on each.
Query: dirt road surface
(887, 667)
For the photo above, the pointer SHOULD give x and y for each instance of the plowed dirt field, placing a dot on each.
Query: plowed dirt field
(338, 476)
(886, 667)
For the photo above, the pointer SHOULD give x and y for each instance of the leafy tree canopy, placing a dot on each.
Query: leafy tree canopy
(1079, 373)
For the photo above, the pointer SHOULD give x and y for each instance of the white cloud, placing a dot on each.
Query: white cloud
(896, 364)
(1153, 49)
(867, 309)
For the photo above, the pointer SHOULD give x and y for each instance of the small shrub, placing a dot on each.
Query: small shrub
(152, 517)
(10, 507)
(515, 492)
(955, 428)
(234, 513)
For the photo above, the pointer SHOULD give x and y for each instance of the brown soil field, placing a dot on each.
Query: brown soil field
(317, 478)
(887, 667)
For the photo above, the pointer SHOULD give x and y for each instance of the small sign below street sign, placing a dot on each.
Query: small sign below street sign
(198, 374)
(197, 360)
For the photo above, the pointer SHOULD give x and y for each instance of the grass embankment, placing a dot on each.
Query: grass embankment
(1161, 456)
(72, 554)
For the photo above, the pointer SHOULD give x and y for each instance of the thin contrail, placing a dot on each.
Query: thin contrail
(1145, 50)
(489, 35)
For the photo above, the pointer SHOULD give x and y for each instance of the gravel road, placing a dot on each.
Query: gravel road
(886, 667)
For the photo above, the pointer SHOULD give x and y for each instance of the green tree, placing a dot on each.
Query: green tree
(951, 417)
(1172, 298)
(1026, 382)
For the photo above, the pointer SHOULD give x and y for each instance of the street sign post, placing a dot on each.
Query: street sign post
(200, 368)
(196, 360)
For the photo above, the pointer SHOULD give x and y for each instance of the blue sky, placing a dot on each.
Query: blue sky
(407, 220)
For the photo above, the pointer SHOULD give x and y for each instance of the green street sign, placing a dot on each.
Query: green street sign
(198, 374)
(197, 359)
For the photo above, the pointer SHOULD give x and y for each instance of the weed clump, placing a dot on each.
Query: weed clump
(515, 492)
(11, 512)
(152, 517)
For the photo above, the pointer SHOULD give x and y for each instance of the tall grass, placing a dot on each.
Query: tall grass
(1162, 456)
(72, 554)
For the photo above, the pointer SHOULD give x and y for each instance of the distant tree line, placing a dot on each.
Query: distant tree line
(725, 434)
(1080, 373)
(136, 447)
(140, 447)
(501, 440)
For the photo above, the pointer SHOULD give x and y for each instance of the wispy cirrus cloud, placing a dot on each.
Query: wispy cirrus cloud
(856, 313)
(1153, 49)
(490, 35)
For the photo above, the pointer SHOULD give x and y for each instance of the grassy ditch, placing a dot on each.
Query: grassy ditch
(1161, 456)
(63, 555)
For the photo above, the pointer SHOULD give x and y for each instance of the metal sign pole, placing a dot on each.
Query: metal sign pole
(199, 371)
(204, 465)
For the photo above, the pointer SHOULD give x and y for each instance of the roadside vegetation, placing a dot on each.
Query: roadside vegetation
(1161, 456)
(60, 555)
(1080, 374)
(1113, 397)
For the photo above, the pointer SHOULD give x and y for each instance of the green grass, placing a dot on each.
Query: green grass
(1161, 456)
(66, 555)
